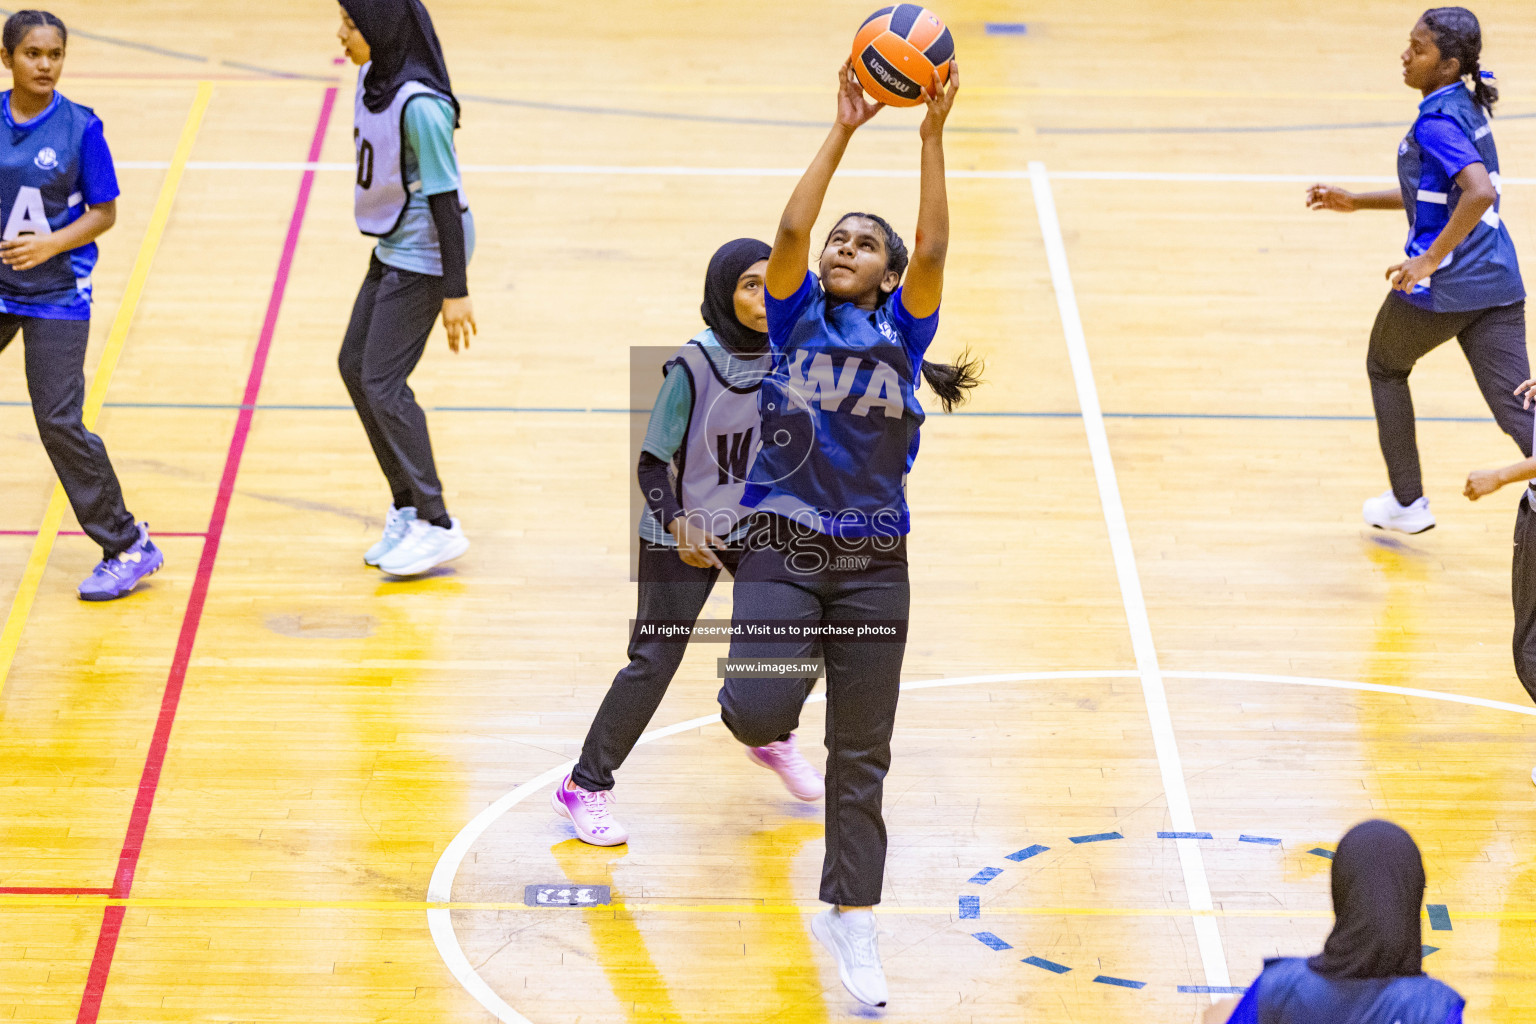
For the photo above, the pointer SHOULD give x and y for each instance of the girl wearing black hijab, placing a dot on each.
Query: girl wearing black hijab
(408, 195)
(1370, 970)
(699, 444)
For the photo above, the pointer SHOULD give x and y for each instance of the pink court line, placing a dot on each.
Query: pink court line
(149, 782)
(81, 533)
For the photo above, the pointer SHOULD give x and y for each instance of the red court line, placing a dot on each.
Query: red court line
(138, 821)
(45, 890)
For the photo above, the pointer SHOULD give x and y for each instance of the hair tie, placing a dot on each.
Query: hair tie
(1486, 76)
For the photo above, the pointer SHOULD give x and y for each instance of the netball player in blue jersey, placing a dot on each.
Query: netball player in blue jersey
(698, 447)
(58, 192)
(1371, 968)
(826, 553)
(408, 195)
(1461, 279)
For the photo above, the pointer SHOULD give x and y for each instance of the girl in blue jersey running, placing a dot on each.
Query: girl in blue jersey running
(408, 195)
(1461, 279)
(1371, 968)
(825, 558)
(58, 192)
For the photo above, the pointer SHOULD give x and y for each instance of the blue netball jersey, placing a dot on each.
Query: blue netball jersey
(840, 413)
(1450, 134)
(1290, 992)
(51, 168)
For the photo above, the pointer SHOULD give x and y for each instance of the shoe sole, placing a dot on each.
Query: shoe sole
(1399, 529)
(560, 809)
(752, 756)
(819, 929)
(417, 568)
(124, 593)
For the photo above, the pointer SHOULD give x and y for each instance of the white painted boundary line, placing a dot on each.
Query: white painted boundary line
(440, 888)
(1180, 815)
(679, 171)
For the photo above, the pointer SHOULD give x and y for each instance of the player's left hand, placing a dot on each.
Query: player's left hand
(941, 100)
(1408, 273)
(1526, 390)
(26, 252)
(1481, 482)
(459, 322)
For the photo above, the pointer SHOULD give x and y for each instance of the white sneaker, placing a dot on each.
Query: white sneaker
(396, 525)
(423, 547)
(1384, 513)
(852, 940)
(588, 811)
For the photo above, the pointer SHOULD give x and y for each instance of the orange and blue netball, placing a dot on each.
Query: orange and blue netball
(897, 50)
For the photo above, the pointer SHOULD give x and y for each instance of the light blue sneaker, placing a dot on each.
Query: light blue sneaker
(396, 525)
(424, 547)
(117, 576)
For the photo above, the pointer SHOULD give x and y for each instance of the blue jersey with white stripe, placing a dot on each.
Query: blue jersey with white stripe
(51, 168)
(1290, 992)
(840, 413)
(1451, 133)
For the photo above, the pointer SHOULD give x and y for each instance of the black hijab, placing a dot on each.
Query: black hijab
(405, 49)
(1378, 886)
(726, 266)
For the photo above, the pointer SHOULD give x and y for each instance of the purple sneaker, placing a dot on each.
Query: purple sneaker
(115, 577)
(782, 757)
(589, 813)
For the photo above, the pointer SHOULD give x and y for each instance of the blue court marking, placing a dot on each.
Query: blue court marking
(985, 875)
(1439, 917)
(1097, 837)
(1045, 965)
(1105, 979)
(1027, 852)
(1007, 28)
(1183, 835)
(1318, 851)
(1426, 950)
(988, 939)
(1213, 990)
(1245, 129)
(970, 907)
(1266, 840)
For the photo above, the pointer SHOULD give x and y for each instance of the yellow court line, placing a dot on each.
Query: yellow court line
(47, 533)
(418, 906)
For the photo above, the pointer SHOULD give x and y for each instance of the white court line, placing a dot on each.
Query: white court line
(440, 888)
(1180, 815)
(682, 171)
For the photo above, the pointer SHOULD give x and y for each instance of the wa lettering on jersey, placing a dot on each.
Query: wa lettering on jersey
(39, 194)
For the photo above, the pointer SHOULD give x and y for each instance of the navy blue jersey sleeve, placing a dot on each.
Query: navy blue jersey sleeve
(916, 334)
(98, 176)
(1247, 1009)
(783, 313)
(1443, 141)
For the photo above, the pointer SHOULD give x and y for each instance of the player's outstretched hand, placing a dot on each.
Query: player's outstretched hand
(853, 107)
(1481, 482)
(459, 322)
(1330, 197)
(1527, 391)
(941, 100)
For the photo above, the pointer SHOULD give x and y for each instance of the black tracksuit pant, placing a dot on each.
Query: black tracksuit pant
(671, 591)
(391, 321)
(1523, 591)
(787, 575)
(55, 368)
(1493, 341)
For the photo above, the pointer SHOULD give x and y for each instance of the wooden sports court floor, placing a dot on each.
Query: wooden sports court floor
(1144, 602)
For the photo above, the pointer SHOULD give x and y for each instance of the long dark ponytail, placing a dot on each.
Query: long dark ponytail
(19, 24)
(1457, 34)
(951, 382)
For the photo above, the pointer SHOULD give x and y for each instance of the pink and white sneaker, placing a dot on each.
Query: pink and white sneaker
(784, 758)
(589, 813)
